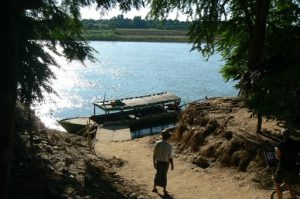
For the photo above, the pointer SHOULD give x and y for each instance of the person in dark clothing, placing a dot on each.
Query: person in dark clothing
(287, 153)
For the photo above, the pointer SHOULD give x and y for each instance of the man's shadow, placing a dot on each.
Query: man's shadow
(167, 196)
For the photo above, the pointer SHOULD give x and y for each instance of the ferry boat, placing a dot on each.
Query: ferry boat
(135, 112)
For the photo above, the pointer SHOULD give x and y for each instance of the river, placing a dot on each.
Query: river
(127, 69)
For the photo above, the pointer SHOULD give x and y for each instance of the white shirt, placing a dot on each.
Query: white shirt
(163, 151)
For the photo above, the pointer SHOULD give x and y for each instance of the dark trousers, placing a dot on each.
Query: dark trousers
(161, 173)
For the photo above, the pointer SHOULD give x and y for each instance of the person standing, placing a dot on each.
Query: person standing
(162, 158)
(286, 152)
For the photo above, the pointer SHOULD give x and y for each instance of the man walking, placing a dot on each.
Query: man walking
(162, 157)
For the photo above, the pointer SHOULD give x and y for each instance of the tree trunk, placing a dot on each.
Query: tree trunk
(257, 44)
(10, 11)
(259, 123)
(8, 86)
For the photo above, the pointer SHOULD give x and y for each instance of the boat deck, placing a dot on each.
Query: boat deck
(113, 133)
(137, 102)
(81, 120)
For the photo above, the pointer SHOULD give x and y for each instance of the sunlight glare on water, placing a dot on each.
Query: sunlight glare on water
(127, 69)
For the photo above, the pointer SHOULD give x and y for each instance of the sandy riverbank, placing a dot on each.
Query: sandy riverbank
(187, 181)
(60, 165)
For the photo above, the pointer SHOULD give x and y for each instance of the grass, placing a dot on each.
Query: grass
(148, 35)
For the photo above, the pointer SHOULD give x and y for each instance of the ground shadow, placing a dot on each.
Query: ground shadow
(168, 196)
(98, 184)
(265, 140)
(115, 127)
(42, 171)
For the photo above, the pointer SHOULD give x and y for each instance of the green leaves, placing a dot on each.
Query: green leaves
(260, 43)
(43, 31)
(54, 28)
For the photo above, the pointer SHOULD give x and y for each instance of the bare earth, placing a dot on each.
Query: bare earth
(220, 133)
(189, 181)
(186, 181)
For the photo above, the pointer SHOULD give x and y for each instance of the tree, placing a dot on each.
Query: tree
(25, 62)
(138, 22)
(248, 34)
(9, 15)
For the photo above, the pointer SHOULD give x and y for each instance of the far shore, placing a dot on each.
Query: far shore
(138, 35)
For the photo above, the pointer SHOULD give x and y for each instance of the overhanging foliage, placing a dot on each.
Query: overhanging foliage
(259, 41)
(54, 28)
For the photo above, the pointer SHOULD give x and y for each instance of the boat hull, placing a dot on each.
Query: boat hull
(76, 125)
(139, 123)
(136, 112)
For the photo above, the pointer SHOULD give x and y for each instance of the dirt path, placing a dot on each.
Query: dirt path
(186, 181)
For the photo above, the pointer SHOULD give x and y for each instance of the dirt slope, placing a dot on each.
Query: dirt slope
(218, 155)
(187, 181)
(218, 152)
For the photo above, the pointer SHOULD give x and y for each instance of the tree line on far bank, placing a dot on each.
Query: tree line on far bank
(136, 23)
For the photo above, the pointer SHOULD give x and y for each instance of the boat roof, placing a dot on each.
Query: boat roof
(137, 102)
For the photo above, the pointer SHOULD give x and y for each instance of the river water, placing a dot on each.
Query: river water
(127, 69)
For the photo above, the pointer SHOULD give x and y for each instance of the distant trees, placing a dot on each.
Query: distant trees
(136, 23)
(259, 41)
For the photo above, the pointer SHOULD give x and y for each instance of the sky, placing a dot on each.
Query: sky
(92, 13)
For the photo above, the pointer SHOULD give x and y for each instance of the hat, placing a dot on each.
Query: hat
(166, 134)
